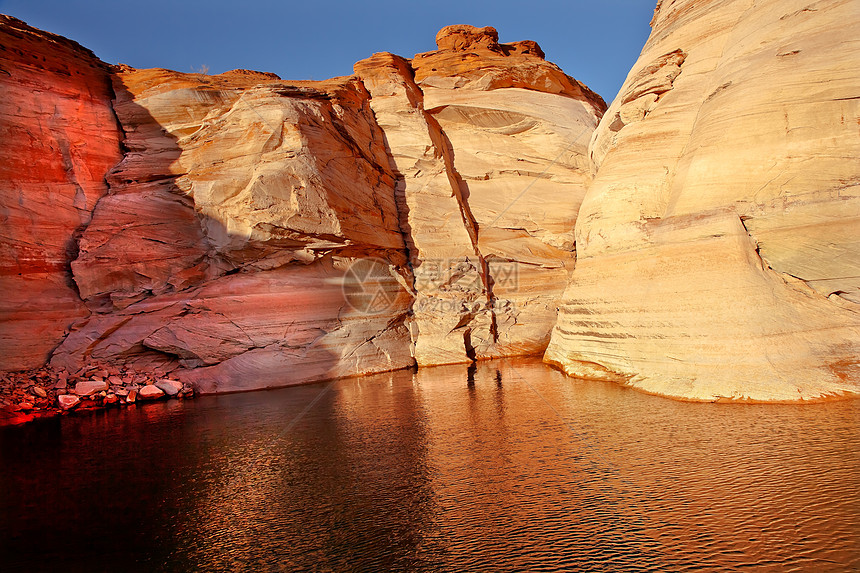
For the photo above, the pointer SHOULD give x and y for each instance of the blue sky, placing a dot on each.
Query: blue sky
(595, 41)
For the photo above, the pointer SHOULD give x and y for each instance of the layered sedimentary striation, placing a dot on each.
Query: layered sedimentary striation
(58, 138)
(239, 207)
(717, 247)
(240, 231)
(489, 142)
(248, 232)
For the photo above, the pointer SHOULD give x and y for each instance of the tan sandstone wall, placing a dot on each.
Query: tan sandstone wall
(489, 142)
(718, 248)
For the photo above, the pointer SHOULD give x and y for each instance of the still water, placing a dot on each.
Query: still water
(507, 466)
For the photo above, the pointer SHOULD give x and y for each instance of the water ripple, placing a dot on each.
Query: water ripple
(523, 470)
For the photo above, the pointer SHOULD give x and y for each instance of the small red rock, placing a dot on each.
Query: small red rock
(90, 387)
(67, 401)
(150, 393)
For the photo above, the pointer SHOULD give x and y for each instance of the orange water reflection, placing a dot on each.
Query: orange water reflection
(505, 466)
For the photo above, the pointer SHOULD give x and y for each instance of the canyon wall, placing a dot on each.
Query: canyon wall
(718, 247)
(489, 141)
(250, 232)
(240, 206)
(240, 231)
(58, 139)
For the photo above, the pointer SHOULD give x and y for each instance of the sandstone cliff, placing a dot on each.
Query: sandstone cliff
(240, 205)
(489, 142)
(718, 247)
(58, 139)
(241, 231)
(257, 232)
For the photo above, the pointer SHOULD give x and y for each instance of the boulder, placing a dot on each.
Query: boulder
(169, 387)
(67, 401)
(90, 387)
(150, 393)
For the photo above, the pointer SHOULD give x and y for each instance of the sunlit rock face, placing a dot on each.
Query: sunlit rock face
(241, 204)
(489, 144)
(260, 233)
(718, 248)
(58, 138)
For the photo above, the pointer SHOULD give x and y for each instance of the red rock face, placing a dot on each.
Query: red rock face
(220, 247)
(58, 139)
(220, 252)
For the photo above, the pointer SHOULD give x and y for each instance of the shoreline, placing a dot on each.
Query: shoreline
(48, 392)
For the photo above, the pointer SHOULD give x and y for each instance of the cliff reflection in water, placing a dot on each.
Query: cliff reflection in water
(508, 465)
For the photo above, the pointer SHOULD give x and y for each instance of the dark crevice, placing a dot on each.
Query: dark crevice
(72, 246)
(460, 190)
(400, 204)
(467, 342)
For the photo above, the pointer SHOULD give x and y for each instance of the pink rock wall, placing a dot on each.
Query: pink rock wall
(58, 139)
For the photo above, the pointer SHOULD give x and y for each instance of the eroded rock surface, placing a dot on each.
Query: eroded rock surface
(240, 205)
(58, 139)
(261, 233)
(489, 144)
(718, 246)
(240, 231)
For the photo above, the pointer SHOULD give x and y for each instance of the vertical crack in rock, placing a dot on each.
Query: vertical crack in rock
(74, 249)
(459, 189)
(401, 207)
(449, 270)
(472, 128)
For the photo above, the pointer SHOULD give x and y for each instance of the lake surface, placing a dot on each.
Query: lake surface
(507, 466)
